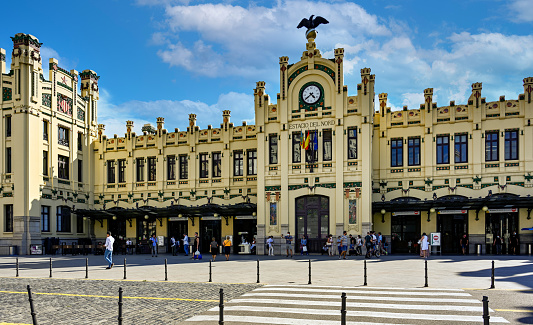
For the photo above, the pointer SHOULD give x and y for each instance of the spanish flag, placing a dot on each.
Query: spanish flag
(307, 140)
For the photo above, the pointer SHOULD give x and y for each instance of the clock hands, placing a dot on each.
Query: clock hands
(310, 94)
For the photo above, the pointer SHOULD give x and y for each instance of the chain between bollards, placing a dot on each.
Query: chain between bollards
(309, 272)
(492, 277)
(120, 306)
(166, 278)
(486, 316)
(343, 308)
(33, 314)
(17, 267)
(426, 263)
(221, 308)
(50, 267)
(257, 270)
(86, 267)
(210, 279)
(365, 274)
(124, 268)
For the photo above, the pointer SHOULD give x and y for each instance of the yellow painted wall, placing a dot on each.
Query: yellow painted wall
(227, 230)
(524, 223)
(383, 227)
(100, 231)
(425, 226)
(476, 227)
(131, 232)
(192, 229)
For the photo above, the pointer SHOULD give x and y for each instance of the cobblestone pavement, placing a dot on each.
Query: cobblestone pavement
(96, 301)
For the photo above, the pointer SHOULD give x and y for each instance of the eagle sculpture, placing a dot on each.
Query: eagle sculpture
(312, 23)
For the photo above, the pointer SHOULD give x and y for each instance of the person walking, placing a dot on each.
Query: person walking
(464, 244)
(154, 245)
(288, 243)
(368, 244)
(108, 255)
(173, 245)
(359, 245)
(186, 244)
(514, 244)
(498, 245)
(344, 245)
(270, 244)
(128, 246)
(424, 245)
(213, 248)
(227, 247)
(329, 244)
(303, 246)
(196, 243)
(339, 245)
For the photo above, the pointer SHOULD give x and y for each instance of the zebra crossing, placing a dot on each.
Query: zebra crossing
(320, 305)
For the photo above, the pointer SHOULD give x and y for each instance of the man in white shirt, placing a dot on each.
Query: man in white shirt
(270, 243)
(108, 255)
(128, 246)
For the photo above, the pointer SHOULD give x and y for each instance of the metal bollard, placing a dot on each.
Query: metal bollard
(426, 263)
(33, 314)
(221, 308)
(86, 268)
(17, 267)
(343, 308)
(124, 268)
(120, 306)
(166, 278)
(50, 267)
(492, 277)
(365, 274)
(210, 280)
(486, 316)
(257, 270)
(309, 272)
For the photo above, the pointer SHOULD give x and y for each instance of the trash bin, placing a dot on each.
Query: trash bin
(529, 249)
(478, 249)
(13, 250)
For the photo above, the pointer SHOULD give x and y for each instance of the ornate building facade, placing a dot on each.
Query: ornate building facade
(318, 161)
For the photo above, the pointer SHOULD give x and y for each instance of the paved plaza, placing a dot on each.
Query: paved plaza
(395, 292)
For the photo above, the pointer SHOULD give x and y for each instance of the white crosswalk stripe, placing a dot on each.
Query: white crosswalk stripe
(320, 305)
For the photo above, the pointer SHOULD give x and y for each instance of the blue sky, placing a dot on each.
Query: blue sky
(170, 58)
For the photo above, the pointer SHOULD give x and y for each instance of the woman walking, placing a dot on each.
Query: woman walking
(213, 248)
(227, 247)
(329, 244)
(424, 246)
(303, 246)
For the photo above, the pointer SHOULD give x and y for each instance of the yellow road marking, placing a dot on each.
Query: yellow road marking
(516, 310)
(115, 297)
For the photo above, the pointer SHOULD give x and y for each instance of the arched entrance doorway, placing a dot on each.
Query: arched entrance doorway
(312, 220)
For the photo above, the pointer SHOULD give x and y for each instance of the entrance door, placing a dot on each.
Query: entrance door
(502, 224)
(452, 227)
(208, 230)
(243, 229)
(312, 220)
(177, 229)
(405, 233)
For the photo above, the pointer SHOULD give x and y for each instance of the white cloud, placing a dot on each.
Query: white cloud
(522, 10)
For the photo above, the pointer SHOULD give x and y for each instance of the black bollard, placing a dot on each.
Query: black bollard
(166, 278)
(309, 272)
(486, 316)
(17, 267)
(210, 280)
(120, 306)
(221, 308)
(492, 277)
(33, 314)
(365, 274)
(343, 308)
(257, 270)
(426, 263)
(124, 268)
(50, 267)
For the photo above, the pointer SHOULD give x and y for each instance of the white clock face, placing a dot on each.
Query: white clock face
(311, 94)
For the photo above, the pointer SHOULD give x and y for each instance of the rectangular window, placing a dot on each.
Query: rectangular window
(252, 162)
(110, 171)
(80, 171)
(45, 218)
(511, 145)
(296, 147)
(8, 160)
(80, 141)
(327, 146)
(8, 218)
(140, 169)
(63, 136)
(63, 167)
(8, 126)
(171, 167)
(311, 153)
(396, 159)
(151, 169)
(45, 163)
(217, 164)
(184, 167)
(492, 147)
(45, 130)
(237, 163)
(122, 171)
(461, 148)
(352, 143)
(443, 149)
(413, 148)
(204, 165)
(63, 219)
(273, 149)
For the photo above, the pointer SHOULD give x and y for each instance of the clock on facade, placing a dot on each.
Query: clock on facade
(311, 94)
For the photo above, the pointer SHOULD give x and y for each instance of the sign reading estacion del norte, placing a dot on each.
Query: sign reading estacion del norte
(311, 125)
